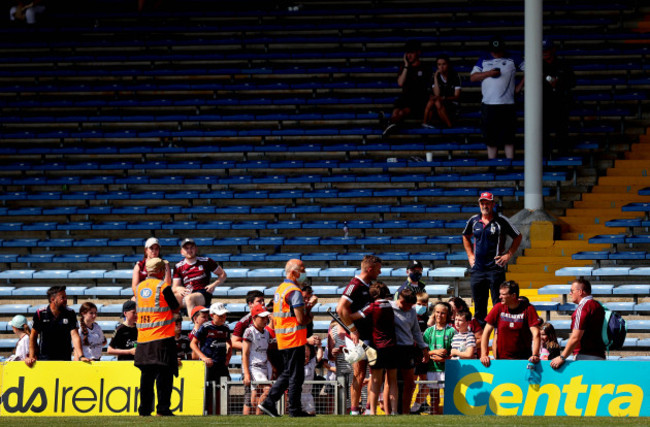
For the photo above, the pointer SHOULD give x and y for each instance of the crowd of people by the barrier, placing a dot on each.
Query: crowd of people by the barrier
(376, 339)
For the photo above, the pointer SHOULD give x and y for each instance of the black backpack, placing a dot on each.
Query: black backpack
(614, 330)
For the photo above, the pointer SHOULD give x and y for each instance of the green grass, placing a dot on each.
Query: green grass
(329, 420)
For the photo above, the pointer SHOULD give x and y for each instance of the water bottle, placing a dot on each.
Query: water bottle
(532, 375)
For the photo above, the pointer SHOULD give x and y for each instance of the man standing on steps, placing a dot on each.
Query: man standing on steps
(488, 256)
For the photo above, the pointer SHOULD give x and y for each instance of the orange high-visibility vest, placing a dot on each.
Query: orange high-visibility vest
(155, 319)
(287, 330)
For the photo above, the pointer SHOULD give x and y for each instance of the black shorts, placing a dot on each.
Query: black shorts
(406, 355)
(417, 104)
(387, 358)
(206, 295)
(499, 123)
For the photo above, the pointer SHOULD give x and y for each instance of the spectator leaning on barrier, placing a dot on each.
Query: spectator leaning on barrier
(91, 334)
(155, 354)
(22, 330)
(56, 325)
(516, 322)
(126, 335)
(355, 297)
(586, 341)
(488, 256)
(192, 276)
(290, 320)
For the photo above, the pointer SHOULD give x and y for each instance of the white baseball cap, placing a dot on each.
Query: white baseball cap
(18, 321)
(218, 308)
(150, 242)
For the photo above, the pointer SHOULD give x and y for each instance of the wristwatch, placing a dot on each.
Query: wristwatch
(562, 357)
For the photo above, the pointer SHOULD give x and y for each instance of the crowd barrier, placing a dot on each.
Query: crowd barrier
(90, 389)
(578, 388)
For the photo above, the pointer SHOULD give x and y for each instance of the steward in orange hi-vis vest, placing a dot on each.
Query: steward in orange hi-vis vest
(155, 354)
(288, 331)
(155, 318)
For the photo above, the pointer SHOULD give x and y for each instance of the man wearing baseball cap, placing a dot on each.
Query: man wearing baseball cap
(413, 281)
(487, 255)
(192, 276)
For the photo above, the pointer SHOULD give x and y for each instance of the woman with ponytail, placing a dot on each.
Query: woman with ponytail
(92, 336)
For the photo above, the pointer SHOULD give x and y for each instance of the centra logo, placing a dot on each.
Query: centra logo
(19, 404)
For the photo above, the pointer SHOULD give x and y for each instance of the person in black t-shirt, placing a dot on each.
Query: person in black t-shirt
(126, 335)
(414, 78)
(446, 94)
(57, 327)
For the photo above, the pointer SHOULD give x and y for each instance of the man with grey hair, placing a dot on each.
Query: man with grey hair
(291, 314)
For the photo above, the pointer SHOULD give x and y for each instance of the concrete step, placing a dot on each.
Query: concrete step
(617, 189)
(567, 244)
(624, 180)
(632, 172)
(627, 164)
(602, 212)
(543, 260)
(528, 281)
(547, 267)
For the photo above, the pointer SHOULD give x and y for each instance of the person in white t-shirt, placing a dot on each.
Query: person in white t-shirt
(255, 361)
(92, 336)
(496, 72)
(22, 330)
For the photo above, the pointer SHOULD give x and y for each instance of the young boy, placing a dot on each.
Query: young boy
(306, 397)
(463, 345)
(255, 362)
(126, 335)
(199, 316)
(183, 350)
(439, 338)
(212, 345)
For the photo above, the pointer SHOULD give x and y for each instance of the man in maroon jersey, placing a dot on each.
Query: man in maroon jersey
(192, 277)
(253, 298)
(586, 341)
(355, 297)
(516, 322)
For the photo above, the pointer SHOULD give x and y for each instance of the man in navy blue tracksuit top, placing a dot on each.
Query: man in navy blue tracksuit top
(487, 255)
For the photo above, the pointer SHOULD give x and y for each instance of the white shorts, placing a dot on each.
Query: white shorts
(259, 373)
(307, 402)
(436, 376)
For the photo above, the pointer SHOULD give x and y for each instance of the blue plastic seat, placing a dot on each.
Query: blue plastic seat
(237, 273)
(338, 272)
(12, 309)
(51, 274)
(104, 291)
(17, 274)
